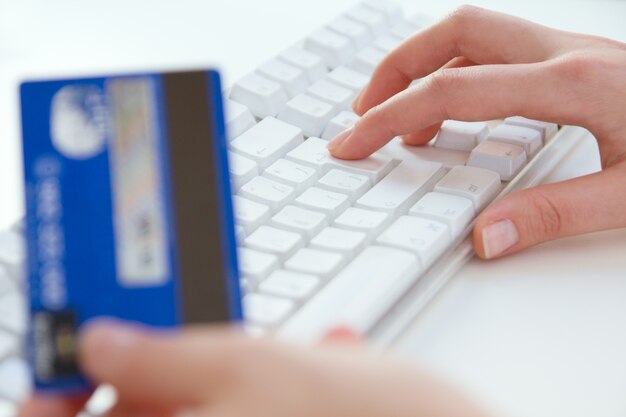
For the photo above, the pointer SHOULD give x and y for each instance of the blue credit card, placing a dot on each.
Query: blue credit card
(129, 210)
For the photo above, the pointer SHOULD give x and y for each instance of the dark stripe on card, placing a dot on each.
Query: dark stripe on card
(194, 179)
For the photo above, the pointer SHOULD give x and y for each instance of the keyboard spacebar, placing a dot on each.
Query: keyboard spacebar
(355, 298)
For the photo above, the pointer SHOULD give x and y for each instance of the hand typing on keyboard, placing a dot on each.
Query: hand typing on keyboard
(481, 65)
(317, 234)
(207, 372)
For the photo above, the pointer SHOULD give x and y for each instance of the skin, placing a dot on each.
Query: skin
(478, 65)
(215, 372)
(482, 65)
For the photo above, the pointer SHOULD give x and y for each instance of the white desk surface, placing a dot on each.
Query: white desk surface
(542, 333)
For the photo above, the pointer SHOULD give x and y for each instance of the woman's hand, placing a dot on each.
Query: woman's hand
(482, 65)
(207, 372)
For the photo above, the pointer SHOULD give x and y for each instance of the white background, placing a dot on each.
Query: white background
(542, 333)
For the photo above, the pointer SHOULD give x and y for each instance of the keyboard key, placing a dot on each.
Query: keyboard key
(349, 183)
(250, 214)
(461, 136)
(292, 79)
(348, 78)
(101, 402)
(316, 262)
(241, 169)
(289, 284)
(420, 20)
(457, 212)
(546, 129)
(503, 158)
(349, 298)
(328, 202)
(367, 221)
(12, 250)
(245, 285)
(276, 241)
(403, 29)
(478, 184)
(391, 10)
(402, 187)
(427, 238)
(19, 226)
(256, 265)
(238, 118)
(262, 96)
(344, 120)
(387, 42)
(15, 382)
(308, 113)
(254, 331)
(13, 312)
(240, 233)
(358, 33)
(8, 408)
(366, 60)
(6, 283)
(397, 149)
(313, 152)
(300, 220)
(527, 138)
(267, 141)
(338, 97)
(266, 310)
(8, 345)
(265, 191)
(374, 20)
(334, 49)
(333, 239)
(298, 176)
(312, 64)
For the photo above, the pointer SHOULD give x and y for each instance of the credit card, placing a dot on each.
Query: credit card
(129, 210)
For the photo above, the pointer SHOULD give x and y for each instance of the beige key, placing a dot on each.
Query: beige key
(504, 158)
(527, 138)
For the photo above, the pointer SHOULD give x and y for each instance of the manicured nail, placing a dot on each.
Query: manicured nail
(357, 100)
(498, 237)
(342, 334)
(339, 139)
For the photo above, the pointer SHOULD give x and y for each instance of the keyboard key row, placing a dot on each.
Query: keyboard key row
(337, 303)
(290, 173)
(279, 242)
(351, 46)
(289, 284)
(313, 152)
(265, 191)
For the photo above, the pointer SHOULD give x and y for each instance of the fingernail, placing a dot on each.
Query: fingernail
(339, 139)
(357, 101)
(341, 333)
(498, 237)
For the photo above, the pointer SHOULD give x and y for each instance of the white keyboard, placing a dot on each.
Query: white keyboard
(326, 242)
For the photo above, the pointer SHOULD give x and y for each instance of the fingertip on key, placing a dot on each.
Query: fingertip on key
(336, 143)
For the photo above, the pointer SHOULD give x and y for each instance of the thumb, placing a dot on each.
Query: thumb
(523, 219)
(167, 368)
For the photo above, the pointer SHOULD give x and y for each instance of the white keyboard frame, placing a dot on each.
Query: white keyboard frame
(393, 324)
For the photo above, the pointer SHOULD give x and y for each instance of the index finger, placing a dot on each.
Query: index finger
(482, 36)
